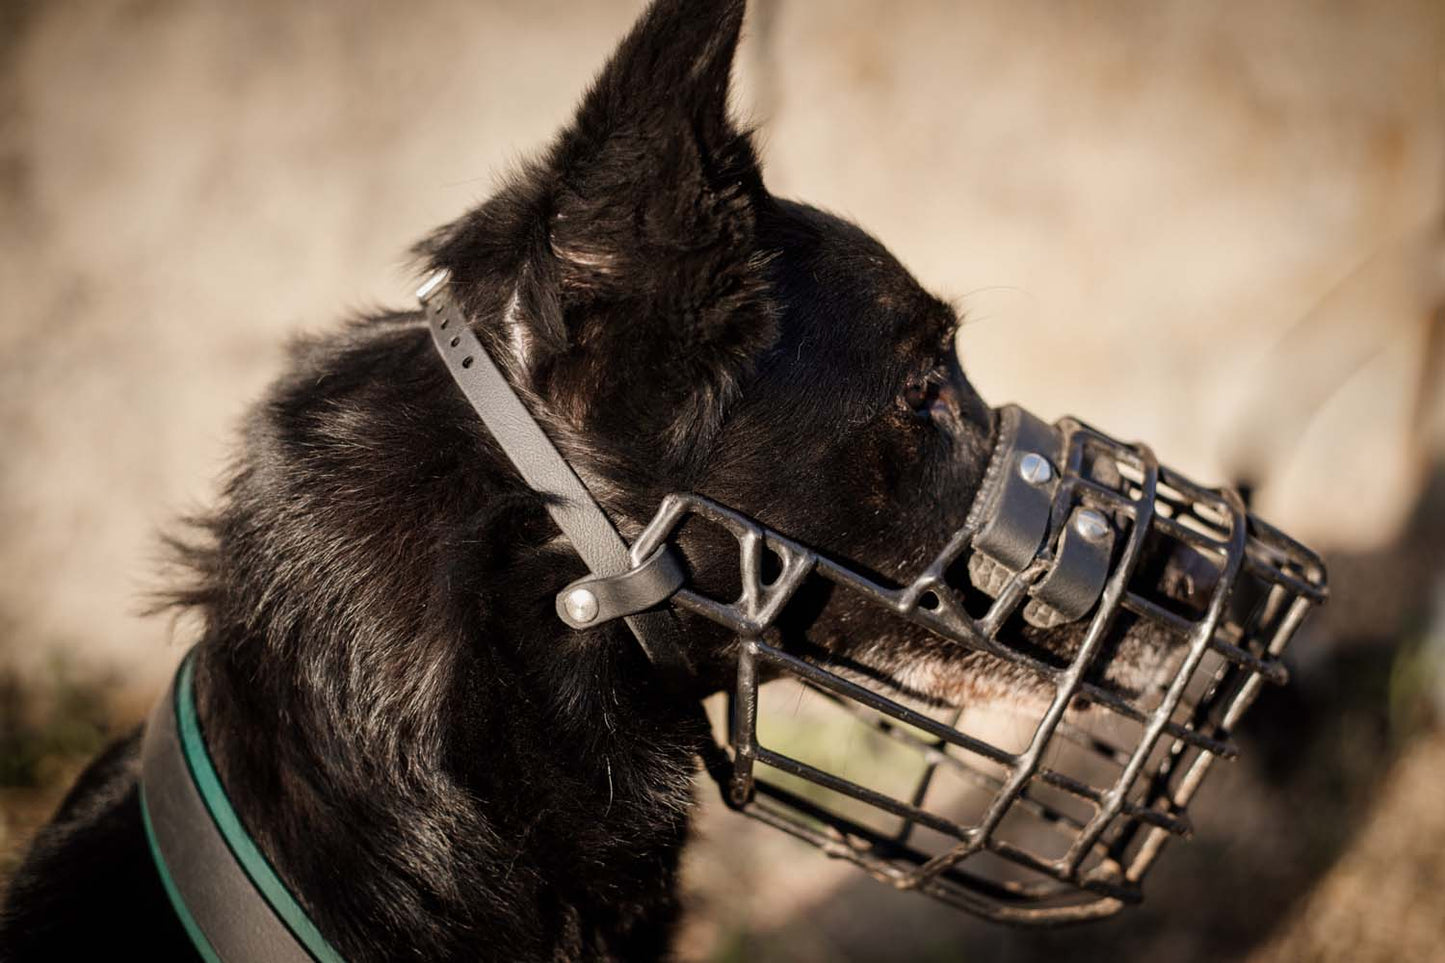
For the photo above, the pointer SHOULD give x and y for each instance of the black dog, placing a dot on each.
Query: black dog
(435, 765)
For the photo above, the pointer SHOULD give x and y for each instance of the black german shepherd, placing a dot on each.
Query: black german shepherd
(437, 767)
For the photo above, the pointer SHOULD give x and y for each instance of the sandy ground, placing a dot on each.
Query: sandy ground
(1214, 226)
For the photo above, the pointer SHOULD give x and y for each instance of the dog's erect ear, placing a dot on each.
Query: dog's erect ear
(645, 295)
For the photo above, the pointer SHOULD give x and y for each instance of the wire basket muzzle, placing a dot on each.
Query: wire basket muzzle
(1056, 817)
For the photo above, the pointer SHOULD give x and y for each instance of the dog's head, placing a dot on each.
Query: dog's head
(678, 328)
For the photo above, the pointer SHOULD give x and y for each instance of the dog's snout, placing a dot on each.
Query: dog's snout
(965, 402)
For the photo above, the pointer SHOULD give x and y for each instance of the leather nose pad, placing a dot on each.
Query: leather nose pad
(1073, 583)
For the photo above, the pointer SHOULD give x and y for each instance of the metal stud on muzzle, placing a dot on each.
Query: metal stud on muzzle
(1070, 528)
(1069, 525)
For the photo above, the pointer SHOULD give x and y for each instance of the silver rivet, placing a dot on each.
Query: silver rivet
(581, 606)
(432, 284)
(1090, 524)
(1035, 469)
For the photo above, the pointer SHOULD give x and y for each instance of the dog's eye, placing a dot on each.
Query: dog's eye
(920, 393)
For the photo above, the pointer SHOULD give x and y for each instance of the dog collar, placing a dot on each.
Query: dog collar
(233, 905)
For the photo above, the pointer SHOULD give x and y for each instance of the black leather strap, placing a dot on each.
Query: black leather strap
(1081, 567)
(543, 468)
(1011, 513)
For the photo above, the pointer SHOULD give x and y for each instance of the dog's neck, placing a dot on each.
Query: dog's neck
(392, 713)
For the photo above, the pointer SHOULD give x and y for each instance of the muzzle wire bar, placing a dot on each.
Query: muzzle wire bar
(1259, 585)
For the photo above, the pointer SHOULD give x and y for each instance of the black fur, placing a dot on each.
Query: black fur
(436, 766)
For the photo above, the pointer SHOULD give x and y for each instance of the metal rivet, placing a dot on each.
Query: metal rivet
(581, 606)
(1091, 525)
(432, 284)
(1035, 469)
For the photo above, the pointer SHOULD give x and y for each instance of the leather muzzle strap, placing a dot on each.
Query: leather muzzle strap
(620, 586)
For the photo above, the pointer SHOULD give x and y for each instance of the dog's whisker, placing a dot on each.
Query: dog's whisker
(608, 810)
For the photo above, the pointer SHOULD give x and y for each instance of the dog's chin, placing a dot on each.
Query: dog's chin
(1137, 660)
(1134, 660)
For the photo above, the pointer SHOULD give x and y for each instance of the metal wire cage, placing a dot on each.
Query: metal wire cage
(1070, 818)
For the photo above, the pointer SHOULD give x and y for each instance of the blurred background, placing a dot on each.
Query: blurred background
(1214, 226)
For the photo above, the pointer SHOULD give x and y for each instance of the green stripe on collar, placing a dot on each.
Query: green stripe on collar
(255, 865)
(178, 903)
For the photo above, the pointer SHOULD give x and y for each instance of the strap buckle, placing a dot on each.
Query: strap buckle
(594, 600)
